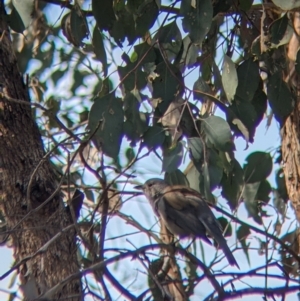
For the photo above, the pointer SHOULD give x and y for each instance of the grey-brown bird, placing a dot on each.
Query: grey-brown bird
(185, 212)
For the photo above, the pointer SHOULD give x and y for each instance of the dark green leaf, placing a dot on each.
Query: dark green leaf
(79, 27)
(245, 4)
(25, 9)
(104, 13)
(15, 22)
(170, 40)
(263, 192)
(233, 184)
(229, 78)
(107, 114)
(251, 203)
(242, 233)
(197, 18)
(167, 85)
(130, 154)
(146, 17)
(145, 53)
(218, 133)
(123, 27)
(99, 49)
(172, 158)
(278, 28)
(258, 167)
(176, 177)
(200, 85)
(280, 97)
(131, 77)
(225, 225)
(154, 137)
(195, 146)
(248, 79)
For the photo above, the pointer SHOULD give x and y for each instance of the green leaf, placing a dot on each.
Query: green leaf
(172, 158)
(248, 79)
(99, 49)
(229, 78)
(170, 40)
(197, 18)
(280, 97)
(195, 146)
(137, 119)
(145, 53)
(233, 184)
(176, 177)
(245, 5)
(146, 16)
(130, 154)
(251, 203)
(287, 4)
(79, 27)
(123, 27)
(167, 85)
(215, 168)
(200, 85)
(107, 114)
(218, 133)
(278, 28)
(242, 233)
(225, 225)
(104, 13)
(263, 192)
(132, 77)
(15, 22)
(25, 9)
(154, 137)
(258, 167)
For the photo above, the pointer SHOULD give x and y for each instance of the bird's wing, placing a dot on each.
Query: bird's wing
(181, 221)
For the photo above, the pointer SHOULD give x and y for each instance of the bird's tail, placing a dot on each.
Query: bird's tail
(223, 245)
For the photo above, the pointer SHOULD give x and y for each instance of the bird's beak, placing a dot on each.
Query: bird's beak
(139, 187)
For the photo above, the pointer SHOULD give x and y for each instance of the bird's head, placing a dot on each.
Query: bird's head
(152, 188)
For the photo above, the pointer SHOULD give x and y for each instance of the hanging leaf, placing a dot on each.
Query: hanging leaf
(25, 10)
(107, 114)
(99, 49)
(258, 167)
(104, 13)
(233, 184)
(218, 133)
(167, 85)
(280, 97)
(176, 177)
(242, 233)
(229, 78)
(197, 18)
(251, 203)
(172, 158)
(225, 225)
(154, 137)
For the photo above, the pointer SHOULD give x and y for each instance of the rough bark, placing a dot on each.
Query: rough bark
(291, 130)
(21, 150)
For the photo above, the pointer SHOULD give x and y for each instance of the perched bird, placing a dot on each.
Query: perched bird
(184, 212)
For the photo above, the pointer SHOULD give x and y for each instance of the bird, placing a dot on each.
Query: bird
(185, 213)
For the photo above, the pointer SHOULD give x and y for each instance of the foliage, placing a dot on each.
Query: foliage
(110, 87)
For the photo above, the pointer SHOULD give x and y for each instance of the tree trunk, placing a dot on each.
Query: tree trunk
(21, 150)
(290, 132)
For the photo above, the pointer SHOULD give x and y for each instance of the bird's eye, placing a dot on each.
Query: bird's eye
(149, 185)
